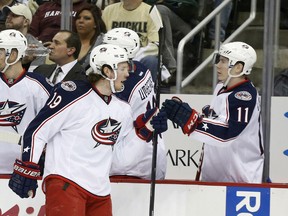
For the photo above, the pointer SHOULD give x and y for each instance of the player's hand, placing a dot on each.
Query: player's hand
(24, 178)
(206, 111)
(150, 121)
(159, 122)
(181, 114)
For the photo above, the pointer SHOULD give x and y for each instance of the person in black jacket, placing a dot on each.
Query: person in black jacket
(65, 48)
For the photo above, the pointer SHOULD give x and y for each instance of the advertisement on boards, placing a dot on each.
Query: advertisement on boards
(247, 201)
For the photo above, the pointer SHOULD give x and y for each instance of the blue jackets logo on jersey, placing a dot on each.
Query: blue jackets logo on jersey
(69, 86)
(11, 113)
(106, 132)
(243, 95)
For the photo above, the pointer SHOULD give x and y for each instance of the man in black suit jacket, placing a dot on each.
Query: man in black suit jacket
(65, 48)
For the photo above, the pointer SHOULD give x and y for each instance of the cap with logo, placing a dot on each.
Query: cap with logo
(20, 10)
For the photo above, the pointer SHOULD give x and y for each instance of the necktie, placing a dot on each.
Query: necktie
(56, 74)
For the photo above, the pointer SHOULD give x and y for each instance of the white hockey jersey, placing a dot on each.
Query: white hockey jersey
(20, 101)
(232, 135)
(136, 160)
(81, 127)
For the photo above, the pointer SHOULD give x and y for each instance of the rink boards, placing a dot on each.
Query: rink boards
(188, 198)
(172, 198)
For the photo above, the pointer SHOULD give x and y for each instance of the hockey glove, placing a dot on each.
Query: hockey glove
(208, 113)
(24, 178)
(147, 122)
(182, 114)
(159, 122)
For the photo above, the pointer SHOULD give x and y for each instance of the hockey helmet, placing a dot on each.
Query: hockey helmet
(13, 39)
(239, 52)
(125, 38)
(107, 54)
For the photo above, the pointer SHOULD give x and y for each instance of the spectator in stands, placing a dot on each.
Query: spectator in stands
(176, 26)
(47, 19)
(224, 20)
(172, 23)
(231, 125)
(2, 16)
(39, 2)
(134, 14)
(19, 17)
(65, 48)
(33, 6)
(102, 3)
(90, 28)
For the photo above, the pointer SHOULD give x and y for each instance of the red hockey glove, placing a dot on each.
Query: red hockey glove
(147, 122)
(24, 178)
(181, 114)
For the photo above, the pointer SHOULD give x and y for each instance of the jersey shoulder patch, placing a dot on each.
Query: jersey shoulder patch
(70, 90)
(68, 86)
(243, 95)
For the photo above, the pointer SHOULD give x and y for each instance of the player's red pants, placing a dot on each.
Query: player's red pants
(63, 198)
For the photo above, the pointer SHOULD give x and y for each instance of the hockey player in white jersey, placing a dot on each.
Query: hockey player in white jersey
(231, 127)
(81, 123)
(139, 92)
(22, 96)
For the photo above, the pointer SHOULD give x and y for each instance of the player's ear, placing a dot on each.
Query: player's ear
(13, 55)
(107, 71)
(239, 67)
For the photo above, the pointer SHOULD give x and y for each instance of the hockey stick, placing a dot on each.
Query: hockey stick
(155, 16)
(198, 174)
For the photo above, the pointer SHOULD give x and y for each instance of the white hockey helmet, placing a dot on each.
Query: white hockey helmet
(125, 38)
(107, 54)
(12, 39)
(239, 52)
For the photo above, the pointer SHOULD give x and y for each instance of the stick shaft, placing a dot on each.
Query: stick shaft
(155, 137)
